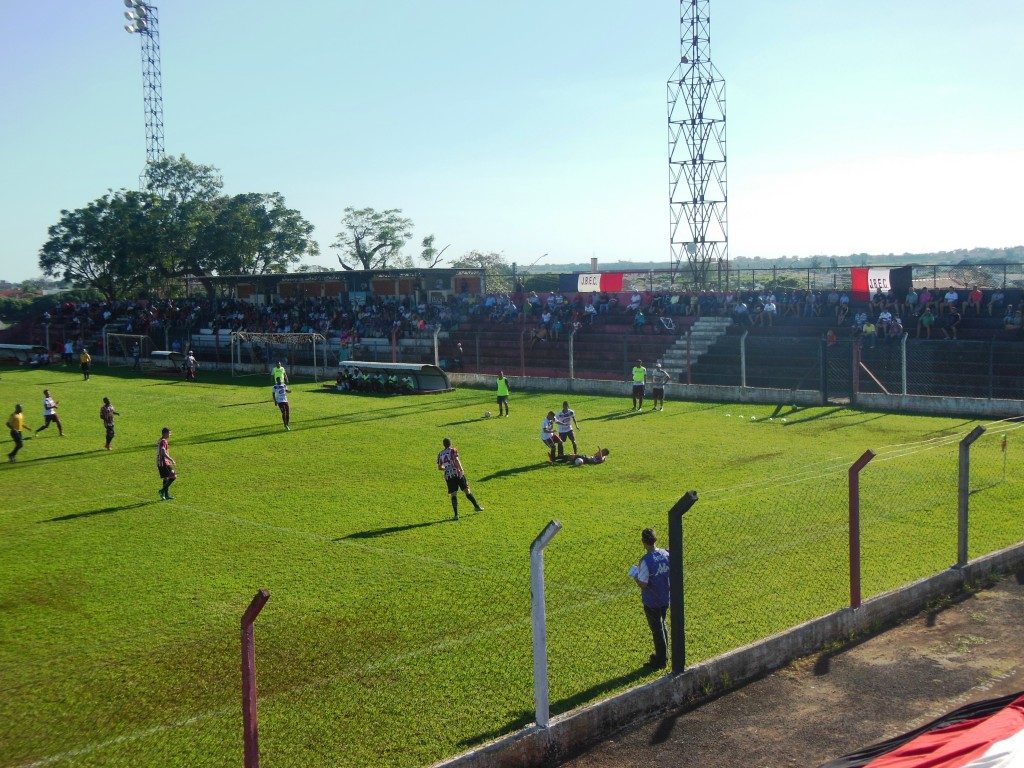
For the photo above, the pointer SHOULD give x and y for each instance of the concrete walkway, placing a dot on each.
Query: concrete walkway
(830, 704)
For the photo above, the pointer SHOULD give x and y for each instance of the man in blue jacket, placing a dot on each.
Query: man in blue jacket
(651, 575)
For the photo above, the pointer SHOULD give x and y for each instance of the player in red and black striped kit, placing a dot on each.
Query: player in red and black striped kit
(454, 476)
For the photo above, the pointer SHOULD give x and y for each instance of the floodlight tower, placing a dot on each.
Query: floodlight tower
(698, 221)
(144, 21)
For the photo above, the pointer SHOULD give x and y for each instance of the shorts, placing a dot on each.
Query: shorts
(167, 471)
(284, 408)
(658, 393)
(50, 419)
(502, 399)
(85, 367)
(570, 436)
(638, 389)
(110, 432)
(454, 483)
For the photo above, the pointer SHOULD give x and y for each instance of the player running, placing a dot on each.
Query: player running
(565, 420)
(50, 413)
(448, 461)
(281, 398)
(639, 376)
(107, 414)
(191, 366)
(165, 464)
(502, 393)
(16, 424)
(659, 378)
(548, 436)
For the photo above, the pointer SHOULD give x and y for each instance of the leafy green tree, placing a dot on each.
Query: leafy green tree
(430, 256)
(373, 239)
(496, 268)
(110, 244)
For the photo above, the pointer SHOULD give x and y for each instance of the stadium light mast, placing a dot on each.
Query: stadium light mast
(698, 193)
(144, 21)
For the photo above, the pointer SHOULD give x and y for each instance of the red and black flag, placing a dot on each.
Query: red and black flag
(986, 734)
(866, 281)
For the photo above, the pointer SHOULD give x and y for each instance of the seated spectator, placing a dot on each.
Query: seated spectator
(858, 321)
(639, 321)
(831, 338)
(869, 331)
(742, 313)
(590, 313)
(634, 303)
(909, 303)
(812, 307)
(539, 333)
(1012, 320)
(949, 301)
(925, 322)
(995, 303)
(895, 332)
(877, 301)
(924, 299)
(770, 312)
(973, 301)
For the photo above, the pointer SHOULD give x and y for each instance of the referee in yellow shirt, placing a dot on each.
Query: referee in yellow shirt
(279, 374)
(16, 423)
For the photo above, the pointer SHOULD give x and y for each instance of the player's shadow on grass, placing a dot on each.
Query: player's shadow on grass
(615, 416)
(819, 415)
(562, 705)
(393, 529)
(104, 511)
(460, 423)
(514, 471)
(75, 454)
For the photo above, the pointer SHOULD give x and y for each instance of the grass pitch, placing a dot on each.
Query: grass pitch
(394, 635)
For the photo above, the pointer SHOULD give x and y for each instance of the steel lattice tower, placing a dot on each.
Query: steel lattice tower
(144, 21)
(698, 193)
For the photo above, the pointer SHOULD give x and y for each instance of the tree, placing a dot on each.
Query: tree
(253, 234)
(109, 244)
(496, 268)
(372, 238)
(430, 256)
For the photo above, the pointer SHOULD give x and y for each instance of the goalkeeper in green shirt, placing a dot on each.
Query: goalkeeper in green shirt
(502, 393)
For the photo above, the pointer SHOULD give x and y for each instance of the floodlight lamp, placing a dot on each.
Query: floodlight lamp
(129, 4)
(141, 25)
(130, 15)
(130, 29)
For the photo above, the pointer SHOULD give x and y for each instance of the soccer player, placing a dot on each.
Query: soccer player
(50, 413)
(565, 420)
(191, 366)
(16, 423)
(548, 435)
(165, 464)
(107, 414)
(281, 398)
(448, 461)
(600, 457)
(659, 378)
(502, 393)
(85, 360)
(639, 376)
(279, 373)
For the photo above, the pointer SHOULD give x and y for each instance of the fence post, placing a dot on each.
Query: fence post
(675, 576)
(964, 494)
(689, 363)
(991, 368)
(743, 359)
(437, 351)
(572, 367)
(903, 363)
(539, 621)
(855, 376)
(854, 503)
(477, 337)
(522, 353)
(250, 727)
(823, 369)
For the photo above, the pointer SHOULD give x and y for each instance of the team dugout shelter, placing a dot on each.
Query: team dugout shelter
(391, 378)
(422, 285)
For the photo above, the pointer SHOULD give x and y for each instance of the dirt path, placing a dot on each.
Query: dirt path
(827, 705)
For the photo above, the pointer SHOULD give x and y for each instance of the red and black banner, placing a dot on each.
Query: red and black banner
(866, 281)
(987, 734)
(591, 282)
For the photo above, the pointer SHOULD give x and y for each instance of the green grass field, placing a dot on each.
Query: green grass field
(394, 635)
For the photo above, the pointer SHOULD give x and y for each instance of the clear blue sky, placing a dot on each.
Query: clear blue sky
(533, 127)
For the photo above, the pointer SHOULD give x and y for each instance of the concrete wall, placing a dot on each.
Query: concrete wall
(699, 392)
(572, 733)
(941, 406)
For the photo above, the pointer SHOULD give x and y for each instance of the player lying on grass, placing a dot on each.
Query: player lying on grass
(599, 457)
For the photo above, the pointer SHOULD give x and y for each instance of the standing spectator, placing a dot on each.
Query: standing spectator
(107, 414)
(565, 419)
(639, 378)
(949, 328)
(165, 464)
(281, 398)
(69, 351)
(279, 374)
(659, 378)
(85, 359)
(50, 413)
(448, 461)
(16, 424)
(136, 356)
(502, 394)
(457, 359)
(651, 574)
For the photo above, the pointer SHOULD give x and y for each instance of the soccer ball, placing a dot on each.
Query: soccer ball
(579, 461)
(487, 414)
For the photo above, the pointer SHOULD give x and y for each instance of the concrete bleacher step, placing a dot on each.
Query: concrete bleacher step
(704, 333)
